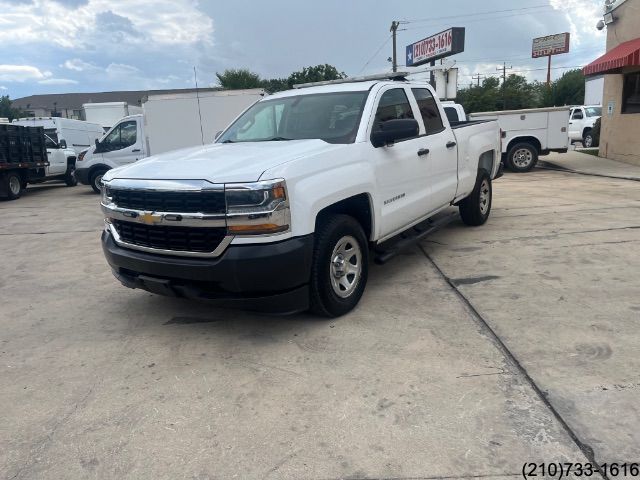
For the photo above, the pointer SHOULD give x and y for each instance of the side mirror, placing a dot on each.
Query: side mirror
(393, 130)
(62, 144)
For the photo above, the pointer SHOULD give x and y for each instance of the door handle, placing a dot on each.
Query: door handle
(451, 144)
(423, 151)
(136, 150)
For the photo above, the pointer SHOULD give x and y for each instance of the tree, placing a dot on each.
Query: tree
(319, 73)
(569, 89)
(238, 79)
(517, 93)
(481, 99)
(7, 110)
(274, 85)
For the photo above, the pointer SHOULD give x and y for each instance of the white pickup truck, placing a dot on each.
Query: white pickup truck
(283, 212)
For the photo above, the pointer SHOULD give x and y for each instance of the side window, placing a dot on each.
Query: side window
(393, 105)
(577, 114)
(429, 110)
(452, 114)
(112, 141)
(128, 134)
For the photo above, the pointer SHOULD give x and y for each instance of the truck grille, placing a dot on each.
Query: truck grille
(182, 202)
(201, 240)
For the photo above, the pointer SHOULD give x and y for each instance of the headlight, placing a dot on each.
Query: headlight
(259, 208)
(105, 195)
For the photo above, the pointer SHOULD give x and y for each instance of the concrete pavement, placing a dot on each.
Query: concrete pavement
(99, 381)
(577, 161)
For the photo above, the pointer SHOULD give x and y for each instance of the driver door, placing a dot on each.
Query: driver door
(123, 144)
(55, 155)
(575, 124)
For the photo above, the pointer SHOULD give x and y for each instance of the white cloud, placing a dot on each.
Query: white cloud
(2, 87)
(58, 81)
(582, 16)
(93, 25)
(78, 65)
(21, 73)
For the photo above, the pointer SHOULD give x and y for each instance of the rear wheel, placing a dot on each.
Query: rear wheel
(13, 185)
(587, 139)
(475, 209)
(96, 179)
(340, 266)
(522, 157)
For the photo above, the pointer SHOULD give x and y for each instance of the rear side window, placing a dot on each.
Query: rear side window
(429, 110)
(393, 105)
(452, 114)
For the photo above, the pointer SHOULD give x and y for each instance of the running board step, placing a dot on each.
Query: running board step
(394, 246)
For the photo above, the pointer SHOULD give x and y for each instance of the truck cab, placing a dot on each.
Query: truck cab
(287, 206)
(581, 122)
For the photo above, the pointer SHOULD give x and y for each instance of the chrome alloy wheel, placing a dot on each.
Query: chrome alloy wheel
(14, 185)
(522, 158)
(485, 196)
(346, 266)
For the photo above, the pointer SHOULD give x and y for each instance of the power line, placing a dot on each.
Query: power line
(477, 77)
(375, 54)
(484, 19)
(435, 19)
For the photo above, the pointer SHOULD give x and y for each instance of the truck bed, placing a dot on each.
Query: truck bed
(466, 123)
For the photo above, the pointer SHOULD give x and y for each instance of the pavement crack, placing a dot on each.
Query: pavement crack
(586, 449)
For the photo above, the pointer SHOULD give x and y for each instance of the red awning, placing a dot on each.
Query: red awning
(626, 54)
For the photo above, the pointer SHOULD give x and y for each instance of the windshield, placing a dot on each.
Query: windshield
(593, 111)
(332, 117)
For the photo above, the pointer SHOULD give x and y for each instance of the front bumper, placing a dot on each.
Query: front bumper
(82, 174)
(268, 277)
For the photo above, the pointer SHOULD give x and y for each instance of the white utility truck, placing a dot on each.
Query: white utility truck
(582, 120)
(107, 114)
(528, 134)
(284, 210)
(75, 134)
(168, 122)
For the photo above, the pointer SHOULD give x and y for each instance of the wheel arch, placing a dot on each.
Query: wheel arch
(357, 206)
(534, 141)
(99, 166)
(486, 161)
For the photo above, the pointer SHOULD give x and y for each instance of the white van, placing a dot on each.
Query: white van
(77, 134)
(169, 122)
(108, 114)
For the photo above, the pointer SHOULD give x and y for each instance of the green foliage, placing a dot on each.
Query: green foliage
(238, 79)
(516, 93)
(6, 110)
(274, 85)
(595, 131)
(319, 73)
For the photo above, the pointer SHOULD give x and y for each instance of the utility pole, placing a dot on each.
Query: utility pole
(549, 73)
(393, 30)
(477, 77)
(504, 79)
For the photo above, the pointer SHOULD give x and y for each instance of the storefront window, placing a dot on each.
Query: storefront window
(631, 93)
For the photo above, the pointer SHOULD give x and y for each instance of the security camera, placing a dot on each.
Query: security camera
(600, 24)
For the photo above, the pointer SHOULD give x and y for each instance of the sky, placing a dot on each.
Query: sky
(57, 46)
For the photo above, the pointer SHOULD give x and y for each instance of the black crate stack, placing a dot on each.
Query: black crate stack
(22, 144)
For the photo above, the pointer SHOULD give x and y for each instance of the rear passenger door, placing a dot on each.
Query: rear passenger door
(442, 160)
(401, 172)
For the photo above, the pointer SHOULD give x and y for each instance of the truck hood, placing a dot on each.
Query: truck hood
(221, 163)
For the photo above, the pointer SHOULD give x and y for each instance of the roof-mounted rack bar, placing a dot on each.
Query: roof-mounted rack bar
(402, 75)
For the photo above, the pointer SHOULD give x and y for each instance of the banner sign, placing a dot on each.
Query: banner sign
(550, 45)
(437, 46)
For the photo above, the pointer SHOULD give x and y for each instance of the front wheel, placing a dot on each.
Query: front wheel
(587, 140)
(70, 178)
(475, 209)
(96, 180)
(522, 157)
(340, 266)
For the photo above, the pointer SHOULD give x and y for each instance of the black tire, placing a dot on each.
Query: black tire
(522, 157)
(96, 178)
(476, 208)
(327, 276)
(588, 140)
(13, 185)
(70, 178)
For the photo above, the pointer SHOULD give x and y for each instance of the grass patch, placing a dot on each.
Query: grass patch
(590, 151)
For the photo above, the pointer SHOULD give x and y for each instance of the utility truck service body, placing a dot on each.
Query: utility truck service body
(283, 211)
(168, 122)
(530, 133)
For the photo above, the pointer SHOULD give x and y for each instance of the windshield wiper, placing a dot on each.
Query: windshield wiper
(228, 141)
(278, 139)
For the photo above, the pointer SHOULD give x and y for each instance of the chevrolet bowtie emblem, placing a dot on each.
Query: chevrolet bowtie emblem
(150, 218)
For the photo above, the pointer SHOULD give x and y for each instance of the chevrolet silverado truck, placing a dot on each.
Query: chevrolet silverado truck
(283, 212)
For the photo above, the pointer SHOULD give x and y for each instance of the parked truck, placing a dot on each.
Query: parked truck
(168, 122)
(27, 155)
(107, 114)
(283, 212)
(530, 133)
(78, 135)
